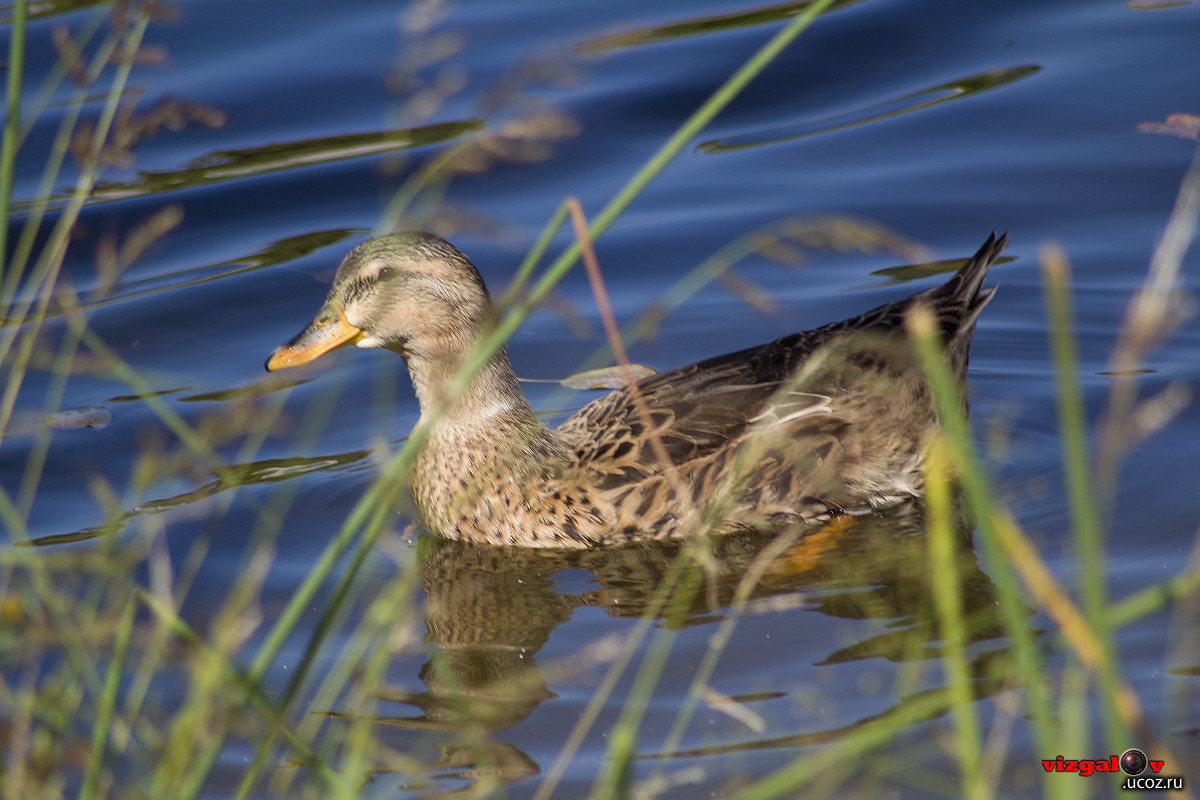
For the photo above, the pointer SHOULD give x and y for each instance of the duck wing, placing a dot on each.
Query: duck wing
(696, 411)
(701, 412)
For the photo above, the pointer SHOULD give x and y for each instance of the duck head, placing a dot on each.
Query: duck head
(413, 293)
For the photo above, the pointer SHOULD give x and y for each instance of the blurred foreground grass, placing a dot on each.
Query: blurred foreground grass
(105, 691)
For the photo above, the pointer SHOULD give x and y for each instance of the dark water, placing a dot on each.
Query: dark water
(941, 121)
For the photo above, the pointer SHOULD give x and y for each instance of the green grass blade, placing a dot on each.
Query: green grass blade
(12, 123)
(108, 700)
(1088, 536)
(972, 476)
(946, 590)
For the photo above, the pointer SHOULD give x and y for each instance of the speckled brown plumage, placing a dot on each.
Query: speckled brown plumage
(822, 422)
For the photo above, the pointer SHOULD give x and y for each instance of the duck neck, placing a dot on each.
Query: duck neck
(491, 406)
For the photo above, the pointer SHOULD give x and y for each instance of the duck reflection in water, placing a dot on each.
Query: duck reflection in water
(490, 609)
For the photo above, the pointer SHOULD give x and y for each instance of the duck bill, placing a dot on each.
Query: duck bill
(328, 331)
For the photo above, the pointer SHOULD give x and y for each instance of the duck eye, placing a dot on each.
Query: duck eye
(386, 274)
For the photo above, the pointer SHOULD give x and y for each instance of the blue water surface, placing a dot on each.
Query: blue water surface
(941, 121)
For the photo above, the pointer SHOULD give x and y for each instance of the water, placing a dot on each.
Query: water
(941, 121)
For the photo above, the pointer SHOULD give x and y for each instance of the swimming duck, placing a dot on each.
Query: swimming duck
(820, 423)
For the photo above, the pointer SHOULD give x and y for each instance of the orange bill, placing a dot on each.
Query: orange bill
(328, 331)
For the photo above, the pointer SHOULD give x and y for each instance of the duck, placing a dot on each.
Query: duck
(819, 424)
